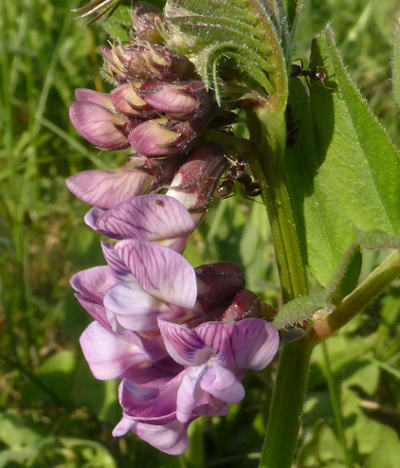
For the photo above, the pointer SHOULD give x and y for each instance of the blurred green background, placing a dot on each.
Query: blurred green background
(53, 413)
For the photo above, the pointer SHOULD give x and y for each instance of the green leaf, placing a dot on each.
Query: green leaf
(386, 453)
(119, 24)
(17, 431)
(56, 376)
(347, 276)
(378, 240)
(344, 173)
(246, 32)
(396, 64)
(300, 309)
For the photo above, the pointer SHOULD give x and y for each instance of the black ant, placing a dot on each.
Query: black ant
(238, 172)
(315, 74)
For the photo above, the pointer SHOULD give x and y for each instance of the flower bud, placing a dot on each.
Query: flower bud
(145, 61)
(147, 22)
(245, 305)
(152, 138)
(179, 100)
(217, 283)
(127, 100)
(99, 125)
(195, 182)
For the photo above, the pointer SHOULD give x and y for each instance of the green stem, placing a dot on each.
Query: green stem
(335, 405)
(364, 294)
(270, 168)
(287, 405)
(291, 383)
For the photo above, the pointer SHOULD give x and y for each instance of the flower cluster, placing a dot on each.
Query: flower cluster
(179, 338)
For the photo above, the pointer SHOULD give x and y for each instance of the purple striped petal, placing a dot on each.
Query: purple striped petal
(222, 384)
(161, 272)
(183, 344)
(218, 336)
(152, 139)
(150, 404)
(92, 284)
(147, 217)
(133, 308)
(248, 344)
(118, 268)
(106, 189)
(258, 342)
(109, 355)
(101, 99)
(97, 311)
(98, 125)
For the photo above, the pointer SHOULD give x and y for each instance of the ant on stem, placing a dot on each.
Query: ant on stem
(238, 172)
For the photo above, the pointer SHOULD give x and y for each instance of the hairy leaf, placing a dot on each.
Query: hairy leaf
(378, 240)
(292, 8)
(347, 275)
(344, 173)
(238, 40)
(301, 309)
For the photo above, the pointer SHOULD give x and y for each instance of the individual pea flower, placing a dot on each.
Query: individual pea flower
(96, 119)
(215, 355)
(166, 220)
(150, 412)
(105, 189)
(169, 218)
(153, 280)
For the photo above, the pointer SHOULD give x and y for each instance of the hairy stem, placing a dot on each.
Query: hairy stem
(363, 295)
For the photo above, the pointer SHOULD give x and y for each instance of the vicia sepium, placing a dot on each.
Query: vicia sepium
(179, 338)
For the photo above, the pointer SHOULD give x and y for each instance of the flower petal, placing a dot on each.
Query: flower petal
(106, 189)
(248, 344)
(151, 138)
(98, 125)
(109, 355)
(125, 425)
(222, 384)
(118, 268)
(92, 216)
(170, 438)
(93, 283)
(161, 272)
(133, 308)
(258, 342)
(89, 95)
(183, 344)
(97, 311)
(147, 217)
(172, 98)
(127, 100)
(189, 393)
